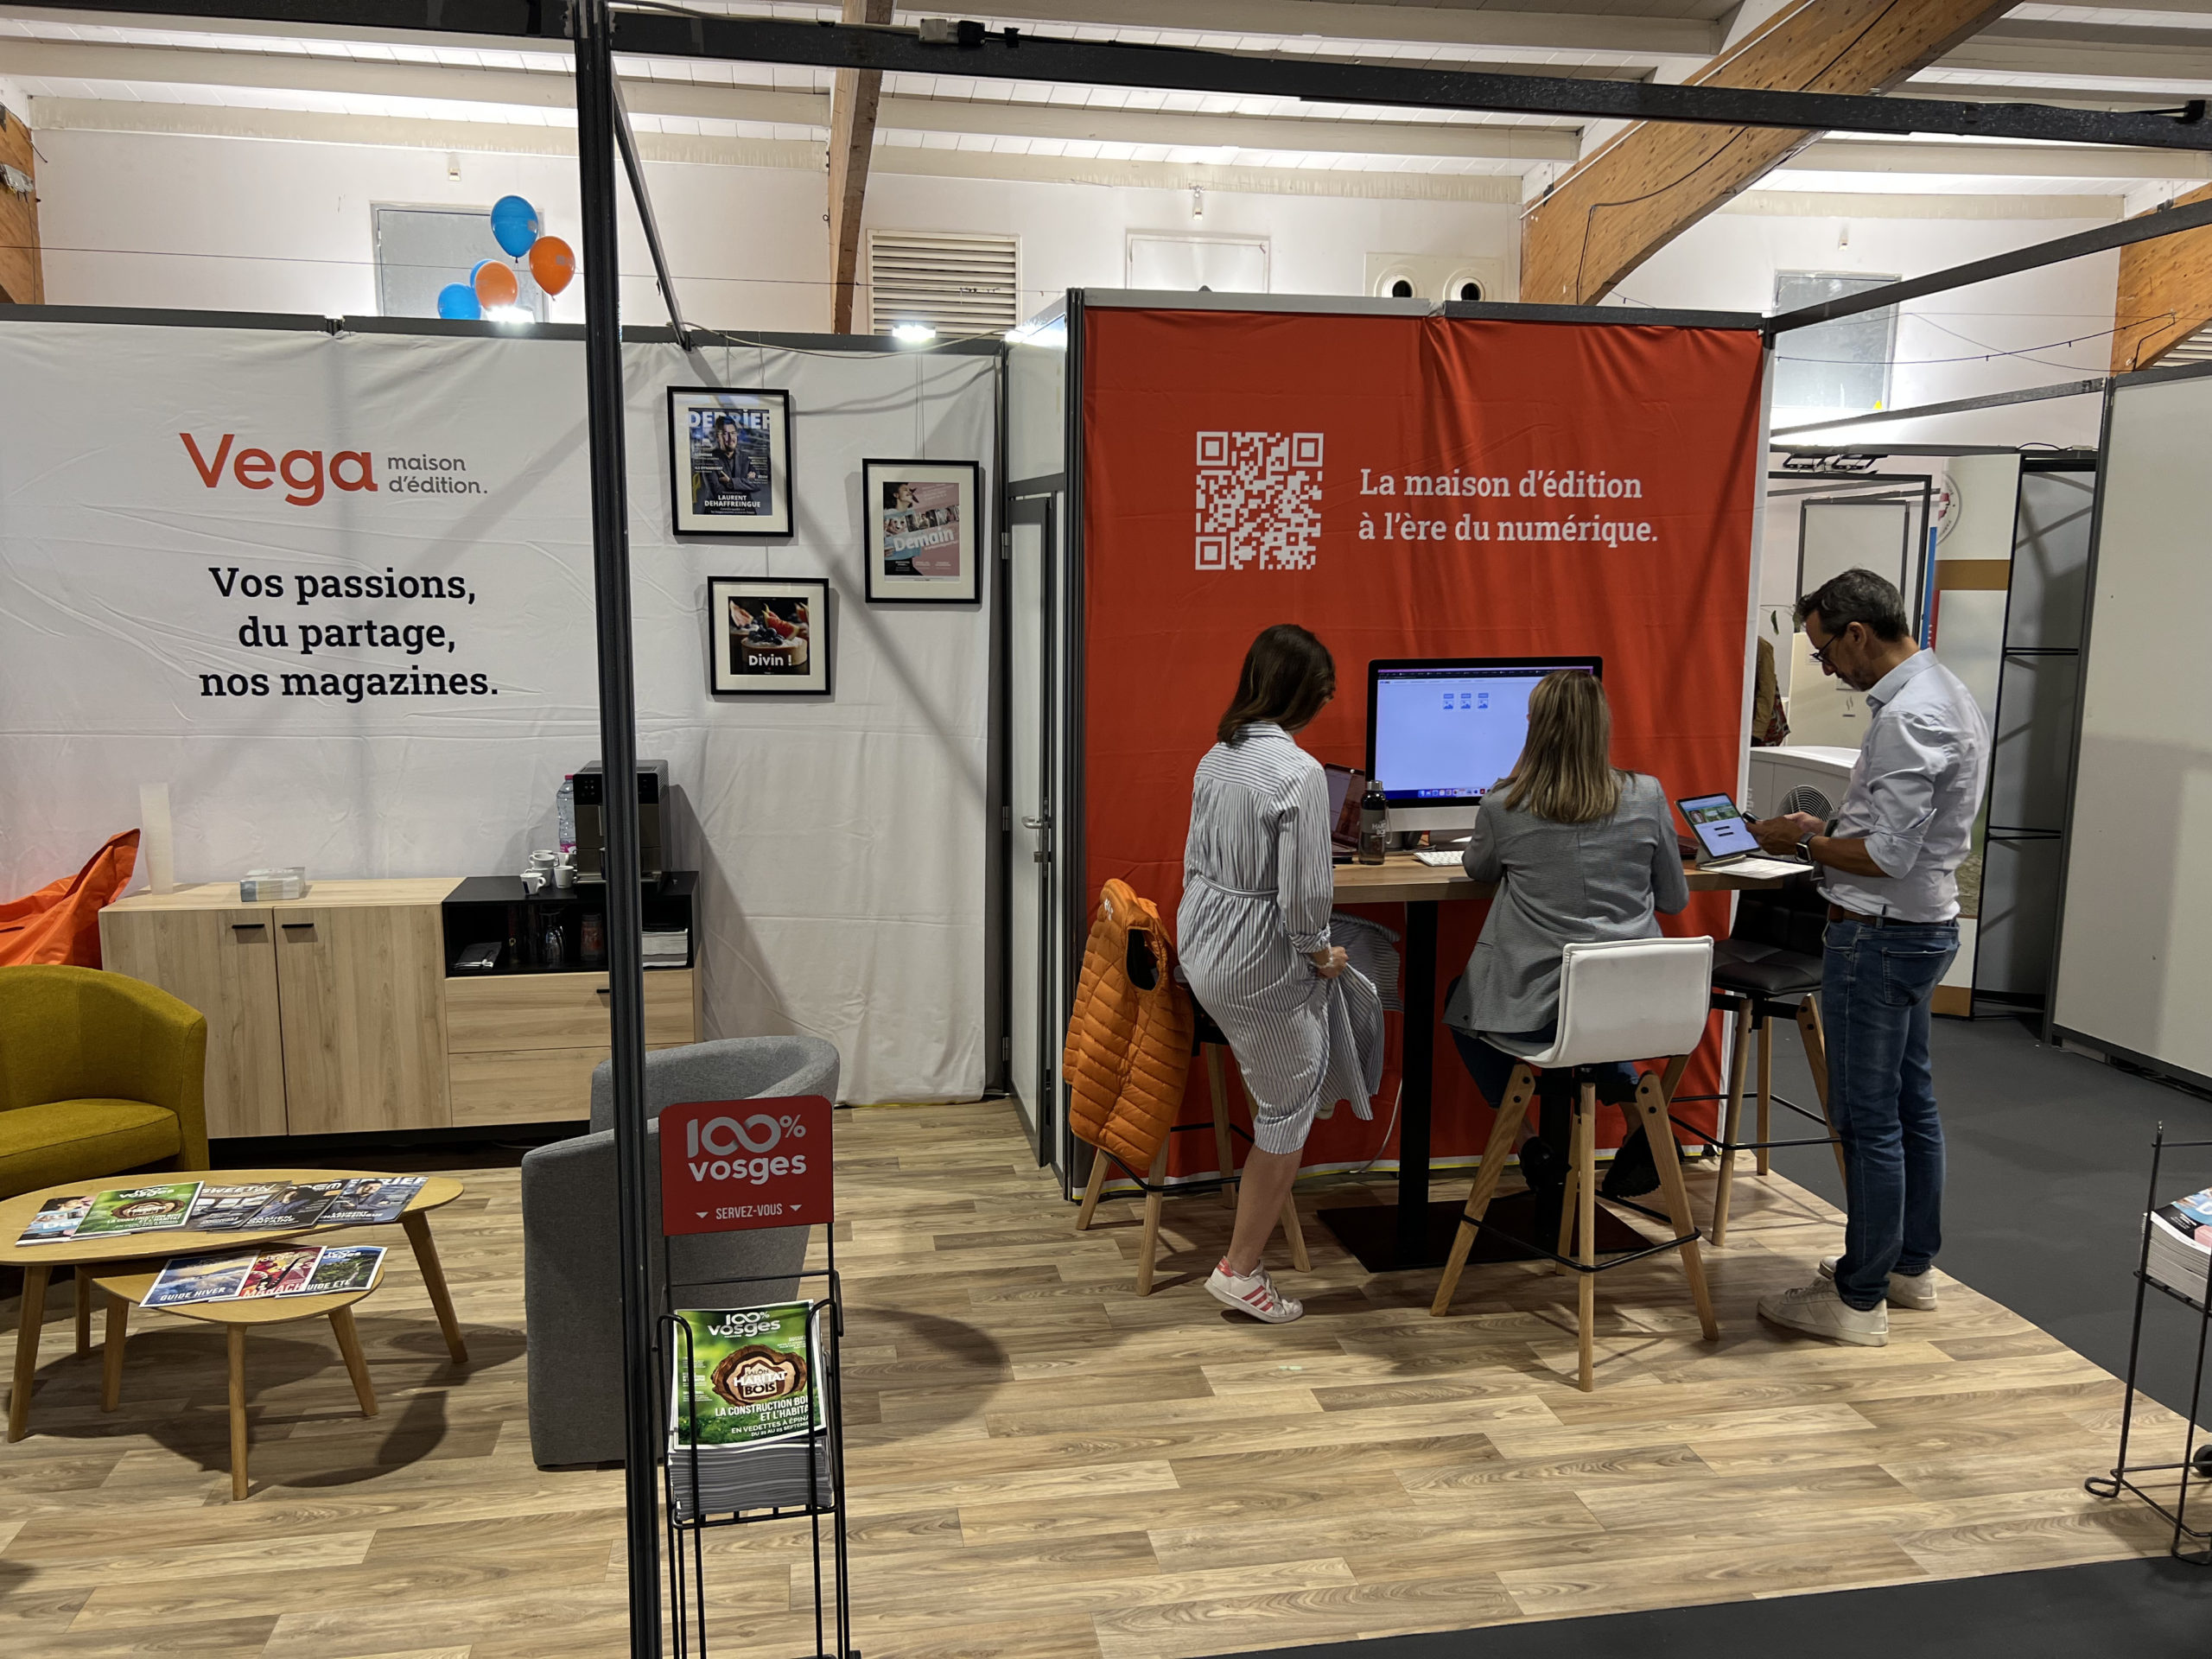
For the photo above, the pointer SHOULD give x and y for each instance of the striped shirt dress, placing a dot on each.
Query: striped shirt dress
(1257, 888)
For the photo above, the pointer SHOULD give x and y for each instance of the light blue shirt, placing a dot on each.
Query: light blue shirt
(1916, 790)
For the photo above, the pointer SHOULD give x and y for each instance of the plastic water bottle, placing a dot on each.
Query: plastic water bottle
(1374, 823)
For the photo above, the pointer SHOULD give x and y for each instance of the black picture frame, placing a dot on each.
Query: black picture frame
(739, 663)
(687, 479)
(967, 548)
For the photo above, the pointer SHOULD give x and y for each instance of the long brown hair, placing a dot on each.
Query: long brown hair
(1565, 772)
(1287, 675)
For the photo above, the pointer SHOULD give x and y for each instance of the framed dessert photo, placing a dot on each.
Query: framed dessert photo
(729, 458)
(923, 525)
(768, 636)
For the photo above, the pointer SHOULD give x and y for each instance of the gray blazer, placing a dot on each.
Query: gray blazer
(1561, 884)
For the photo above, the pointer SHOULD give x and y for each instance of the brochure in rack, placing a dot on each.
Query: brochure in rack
(278, 1270)
(2181, 1245)
(744, 1412)
(219, 1207)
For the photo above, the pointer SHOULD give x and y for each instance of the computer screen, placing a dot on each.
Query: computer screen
(1442, 732)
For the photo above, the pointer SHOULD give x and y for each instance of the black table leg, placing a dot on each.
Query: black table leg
(1411, 1233)
(1414, 1232)
(1417, 1071)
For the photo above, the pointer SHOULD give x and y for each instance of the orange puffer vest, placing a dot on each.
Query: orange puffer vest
(1129, 1048)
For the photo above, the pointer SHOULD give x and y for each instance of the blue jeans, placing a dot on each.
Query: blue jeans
(1876, 987)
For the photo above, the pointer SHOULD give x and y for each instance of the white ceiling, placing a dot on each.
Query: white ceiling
(2123, 56)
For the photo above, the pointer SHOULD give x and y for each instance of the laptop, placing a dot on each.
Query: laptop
(1346, 786)
(1723, 832)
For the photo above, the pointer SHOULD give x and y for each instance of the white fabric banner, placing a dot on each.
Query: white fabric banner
(336, 593)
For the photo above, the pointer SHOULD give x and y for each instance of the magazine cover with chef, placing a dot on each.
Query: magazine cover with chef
(754, 1376)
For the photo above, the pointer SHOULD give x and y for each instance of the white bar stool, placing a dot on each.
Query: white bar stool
(1630, 1000)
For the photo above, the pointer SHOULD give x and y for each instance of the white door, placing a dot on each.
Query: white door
(1032, 911)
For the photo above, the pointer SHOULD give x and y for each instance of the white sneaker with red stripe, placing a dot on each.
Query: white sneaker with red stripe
(1253, 1293)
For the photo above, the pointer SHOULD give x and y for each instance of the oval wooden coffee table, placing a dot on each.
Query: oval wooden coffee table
(126, 1287)
(114, 1254)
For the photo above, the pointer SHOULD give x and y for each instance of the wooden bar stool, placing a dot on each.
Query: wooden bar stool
(1769, 967)
(1210, 1043)
(1630, 1000)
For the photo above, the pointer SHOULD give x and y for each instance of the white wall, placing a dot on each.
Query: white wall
(253, 224)
(257, 225)
(1993, 337)
(1077, 235)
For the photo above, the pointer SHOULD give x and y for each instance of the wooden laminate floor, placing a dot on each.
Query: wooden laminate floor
(1044, 1466)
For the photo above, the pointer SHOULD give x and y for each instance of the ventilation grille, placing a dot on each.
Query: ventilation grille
(2197, 348)
(956, 284)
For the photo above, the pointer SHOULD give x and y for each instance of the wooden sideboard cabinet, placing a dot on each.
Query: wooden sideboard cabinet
(335, 1012)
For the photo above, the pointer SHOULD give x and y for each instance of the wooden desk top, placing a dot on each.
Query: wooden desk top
(1402, 879)
(320, 895)
(16, 1214)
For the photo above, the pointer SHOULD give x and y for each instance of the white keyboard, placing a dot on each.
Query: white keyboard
(1435, 857)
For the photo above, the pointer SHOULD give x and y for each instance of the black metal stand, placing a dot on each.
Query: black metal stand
(2192, 1544)
(1752, 1009)
(825, 1443)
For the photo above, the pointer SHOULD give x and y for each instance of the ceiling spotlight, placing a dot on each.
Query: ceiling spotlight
(913, 333)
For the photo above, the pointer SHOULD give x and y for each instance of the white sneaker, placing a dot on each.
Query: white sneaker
(1817, 1311)
(1253, 1293)
(1915, 1291)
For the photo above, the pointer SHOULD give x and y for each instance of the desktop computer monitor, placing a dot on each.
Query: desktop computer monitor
(1441, 731)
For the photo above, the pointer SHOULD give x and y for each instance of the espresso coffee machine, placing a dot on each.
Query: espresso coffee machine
(652, 822)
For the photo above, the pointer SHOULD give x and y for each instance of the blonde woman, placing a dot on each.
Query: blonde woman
(1581, 852)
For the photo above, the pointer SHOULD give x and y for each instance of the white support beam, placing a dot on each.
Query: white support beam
(95, 66)
(1998, 161)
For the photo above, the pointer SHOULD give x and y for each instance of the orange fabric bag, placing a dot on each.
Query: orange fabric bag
(61, 922)
(1128, 1043)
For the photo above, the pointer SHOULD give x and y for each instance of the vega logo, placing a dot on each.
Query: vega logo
(302, 471)
(713, 1149)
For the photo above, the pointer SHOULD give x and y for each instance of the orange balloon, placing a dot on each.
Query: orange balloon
(553, 262)
(496, 285)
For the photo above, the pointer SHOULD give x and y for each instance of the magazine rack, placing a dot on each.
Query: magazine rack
(2192, 1544)
(825, 1444)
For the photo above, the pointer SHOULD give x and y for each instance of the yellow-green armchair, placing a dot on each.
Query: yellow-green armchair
(99, 1073)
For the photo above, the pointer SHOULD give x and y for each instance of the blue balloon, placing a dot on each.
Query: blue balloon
(457, 303)
(474, 269)
(514, 225)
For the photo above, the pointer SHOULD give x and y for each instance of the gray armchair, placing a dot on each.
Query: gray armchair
(571, 1290)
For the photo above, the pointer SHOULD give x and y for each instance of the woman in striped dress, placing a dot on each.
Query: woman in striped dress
(1253, 933)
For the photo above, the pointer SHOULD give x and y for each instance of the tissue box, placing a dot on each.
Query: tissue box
(259, 886)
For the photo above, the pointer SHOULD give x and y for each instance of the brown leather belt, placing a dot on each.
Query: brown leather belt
(1838, 913)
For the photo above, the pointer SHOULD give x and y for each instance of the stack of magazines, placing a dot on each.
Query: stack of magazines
(747, 1412)
(2181, 1244)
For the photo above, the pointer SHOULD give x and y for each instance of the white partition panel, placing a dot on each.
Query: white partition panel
(2135, 951)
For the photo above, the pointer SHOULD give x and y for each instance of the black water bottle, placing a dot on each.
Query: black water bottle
(1374, 823)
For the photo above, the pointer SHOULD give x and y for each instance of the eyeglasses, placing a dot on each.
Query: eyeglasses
(1820, 652)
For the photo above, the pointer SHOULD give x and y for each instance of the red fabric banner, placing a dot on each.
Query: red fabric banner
(1406, 487)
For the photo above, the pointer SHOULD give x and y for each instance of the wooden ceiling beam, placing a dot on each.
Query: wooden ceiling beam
(853, 102)
(2165, 293)
(1652, 181)
(21, 281)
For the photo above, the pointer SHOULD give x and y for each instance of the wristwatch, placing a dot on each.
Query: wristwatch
(1805, 847)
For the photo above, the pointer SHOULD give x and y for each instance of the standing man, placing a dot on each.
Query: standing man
(1888, 863)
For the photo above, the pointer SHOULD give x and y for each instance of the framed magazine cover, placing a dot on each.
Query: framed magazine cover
(768, 636)
(729, 458)
(923, 520)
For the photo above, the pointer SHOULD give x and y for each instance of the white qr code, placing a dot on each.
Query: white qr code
(1259, 500)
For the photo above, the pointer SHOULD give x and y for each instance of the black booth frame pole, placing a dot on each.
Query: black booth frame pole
(591, 29)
